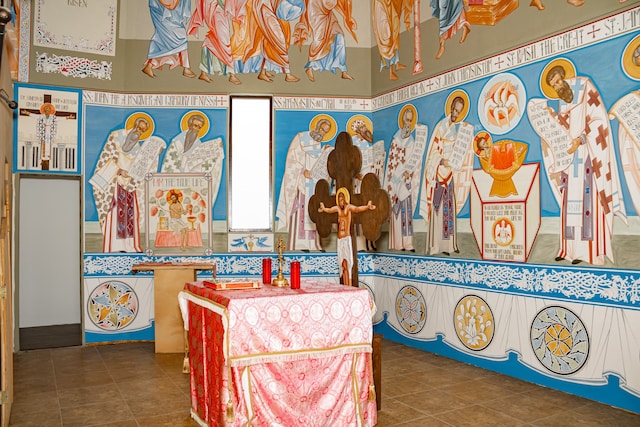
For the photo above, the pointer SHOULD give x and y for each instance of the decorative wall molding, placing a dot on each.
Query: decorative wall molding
(72, 66)
(601, 286)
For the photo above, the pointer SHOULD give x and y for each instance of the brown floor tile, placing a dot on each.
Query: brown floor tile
(422, 422)
(161, 405)
(439, 378)
(619, 418)
(95, 414)
(34, 369)
(129, 385)
(24, 403)
(83, 379)
(477, 391)
(514, 385)
(399, 386)
(35, 419)
(523, 407)
(585, 418)
(126, 423)
(82, 396)
(558, 398)
(470, 372)
(37, 384)
(180, 419)
(435, 402)
(135, 371)
(148, 389)
(394, 412)
(477, 415)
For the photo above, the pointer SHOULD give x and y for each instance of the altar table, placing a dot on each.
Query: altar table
(280, 356)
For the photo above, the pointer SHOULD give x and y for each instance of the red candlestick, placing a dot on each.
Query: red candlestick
(295, 274)
(266, 271)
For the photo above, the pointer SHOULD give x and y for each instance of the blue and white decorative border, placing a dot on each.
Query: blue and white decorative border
(613, 287)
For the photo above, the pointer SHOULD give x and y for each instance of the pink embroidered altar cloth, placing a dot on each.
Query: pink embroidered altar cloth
(280, 357)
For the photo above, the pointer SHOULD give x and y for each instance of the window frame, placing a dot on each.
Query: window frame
(239, 116)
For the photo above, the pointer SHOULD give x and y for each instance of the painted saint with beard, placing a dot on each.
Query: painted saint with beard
(299, 181)
(586, 186)
(373, 159)
(188, 153)
(446, 183)
(402, 177)
(118, 182)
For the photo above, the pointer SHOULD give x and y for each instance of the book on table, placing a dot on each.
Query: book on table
(230, 284)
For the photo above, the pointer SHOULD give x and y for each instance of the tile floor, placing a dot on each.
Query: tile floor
(128, 385)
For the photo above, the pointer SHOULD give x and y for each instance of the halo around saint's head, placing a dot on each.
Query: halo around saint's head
(631, 59)
(465, 110)
(355, 120)
(569, 72)
(345, 193)
(313, 124)
(184, 122)
(50, 105)
(131, 120)
(476, 142)
(173, 191)
(403, 110)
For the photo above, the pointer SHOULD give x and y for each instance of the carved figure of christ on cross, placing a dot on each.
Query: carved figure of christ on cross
(371, 207)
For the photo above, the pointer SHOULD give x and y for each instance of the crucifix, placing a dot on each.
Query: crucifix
(46, 127)
(371, 207)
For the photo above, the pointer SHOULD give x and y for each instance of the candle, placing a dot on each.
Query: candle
(266, 271)
(295, 274)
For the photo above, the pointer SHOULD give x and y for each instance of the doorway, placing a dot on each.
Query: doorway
(49, 275)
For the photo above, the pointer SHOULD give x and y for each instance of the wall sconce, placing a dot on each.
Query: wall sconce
(5, 17)
(10, 102)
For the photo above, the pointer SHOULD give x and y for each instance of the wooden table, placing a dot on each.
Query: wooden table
(168, 280)
(279, 356)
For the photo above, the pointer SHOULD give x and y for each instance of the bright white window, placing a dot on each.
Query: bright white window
(250, 201)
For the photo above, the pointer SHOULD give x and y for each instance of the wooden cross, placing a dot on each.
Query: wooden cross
(343, 165)
(46, 99)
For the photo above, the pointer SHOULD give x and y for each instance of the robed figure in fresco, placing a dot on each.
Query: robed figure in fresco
(305, 166)
(328, 50)
(452, 17)
(46, 131)
(626, 111)
(580, 161)
(386, 28)
(373, 158)
(271, 35)
(188, 153)
(168, 45)
(447, 176)
(215, 53)
(118, 182)
(402, 176)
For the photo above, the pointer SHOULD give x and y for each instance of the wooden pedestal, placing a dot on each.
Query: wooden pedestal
(168, 281)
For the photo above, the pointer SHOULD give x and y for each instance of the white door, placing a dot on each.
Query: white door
(49, 274)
